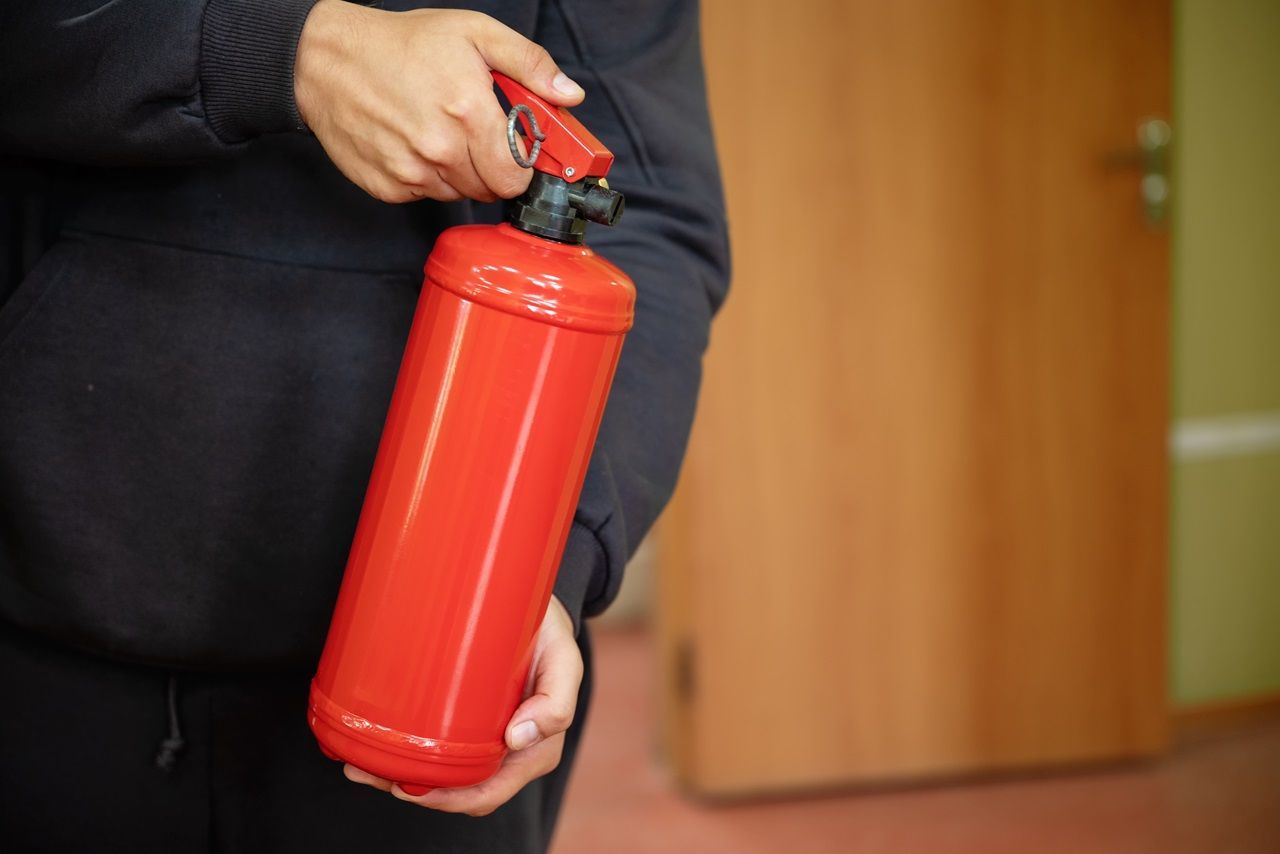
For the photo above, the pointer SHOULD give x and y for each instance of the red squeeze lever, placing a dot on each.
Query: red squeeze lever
(568, 150)
(495, 411)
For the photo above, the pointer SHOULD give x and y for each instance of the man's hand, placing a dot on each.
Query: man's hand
(403, 102)
(535, 733)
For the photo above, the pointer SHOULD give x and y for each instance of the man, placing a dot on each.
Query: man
(208, 276)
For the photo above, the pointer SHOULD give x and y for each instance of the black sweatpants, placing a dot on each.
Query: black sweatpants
(79, 737)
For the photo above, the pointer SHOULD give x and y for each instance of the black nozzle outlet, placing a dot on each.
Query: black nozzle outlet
(597, 203)
(555, 209)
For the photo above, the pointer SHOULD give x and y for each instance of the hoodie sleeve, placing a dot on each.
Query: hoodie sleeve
(120, 82)
(641, 65)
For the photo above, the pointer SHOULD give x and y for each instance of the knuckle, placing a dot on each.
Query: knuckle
(410, 171)
(560, 716)
(490, 33)
(536, 58)
(437, 149)
(460, 22)
(463, 108)
(479, 20)
(385, 193)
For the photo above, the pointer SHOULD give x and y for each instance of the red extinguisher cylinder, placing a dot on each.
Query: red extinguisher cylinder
(495, 411)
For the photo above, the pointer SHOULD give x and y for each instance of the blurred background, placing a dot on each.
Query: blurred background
(977, 547)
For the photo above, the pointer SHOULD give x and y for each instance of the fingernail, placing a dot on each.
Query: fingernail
(399, 793)
(357, 775)
(523, 734)
(565, 86)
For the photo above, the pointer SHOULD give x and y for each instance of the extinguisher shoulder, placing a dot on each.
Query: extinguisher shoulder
(543, 280)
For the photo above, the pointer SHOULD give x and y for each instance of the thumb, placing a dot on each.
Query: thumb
(557, 675)
(527, 63)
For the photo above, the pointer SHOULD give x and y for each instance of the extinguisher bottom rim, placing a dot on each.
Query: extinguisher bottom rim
(407, 743)
(408, 760)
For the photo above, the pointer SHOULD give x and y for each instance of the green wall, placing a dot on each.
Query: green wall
(1226, 280)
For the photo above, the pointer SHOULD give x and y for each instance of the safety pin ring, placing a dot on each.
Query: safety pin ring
(538, 135)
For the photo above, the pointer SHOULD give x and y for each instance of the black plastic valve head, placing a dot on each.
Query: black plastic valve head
(555, 209)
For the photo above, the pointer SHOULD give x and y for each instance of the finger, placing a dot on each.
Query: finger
(464, 180)
(491, 156)
(527, 63)
(550, 708)
(517, 770)
(436, 187)
(385, 189)
(485, 170)
(440, 165)
(443, 191)
(364, 778)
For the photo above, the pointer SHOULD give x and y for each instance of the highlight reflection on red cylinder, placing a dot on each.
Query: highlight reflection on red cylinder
(473, 491)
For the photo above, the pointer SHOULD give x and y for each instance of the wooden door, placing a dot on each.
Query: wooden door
(921, 530)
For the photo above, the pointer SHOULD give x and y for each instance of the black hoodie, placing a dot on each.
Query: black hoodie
(202, 319)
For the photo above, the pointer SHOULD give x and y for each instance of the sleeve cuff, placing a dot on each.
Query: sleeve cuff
(246, 66)
(581, 572)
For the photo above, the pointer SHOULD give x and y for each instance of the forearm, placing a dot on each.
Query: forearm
(145, 81)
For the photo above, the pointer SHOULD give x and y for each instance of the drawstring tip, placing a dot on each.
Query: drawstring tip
(167, 756)
(173, 744)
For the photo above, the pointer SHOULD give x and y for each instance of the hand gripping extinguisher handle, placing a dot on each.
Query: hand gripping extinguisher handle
(566, 149)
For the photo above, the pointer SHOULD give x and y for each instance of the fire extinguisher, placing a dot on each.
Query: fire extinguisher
(504, 379)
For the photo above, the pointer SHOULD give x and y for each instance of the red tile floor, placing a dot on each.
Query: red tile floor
(1220, 795)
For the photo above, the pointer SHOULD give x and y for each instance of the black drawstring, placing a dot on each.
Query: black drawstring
(174, 743)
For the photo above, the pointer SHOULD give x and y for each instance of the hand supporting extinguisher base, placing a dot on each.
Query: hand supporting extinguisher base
(416, 763)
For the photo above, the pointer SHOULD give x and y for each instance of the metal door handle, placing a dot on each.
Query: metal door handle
(1154, 136)
(1151, 155)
